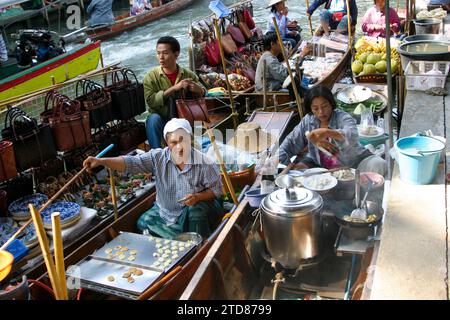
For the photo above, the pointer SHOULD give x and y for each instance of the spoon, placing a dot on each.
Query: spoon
(360, 213)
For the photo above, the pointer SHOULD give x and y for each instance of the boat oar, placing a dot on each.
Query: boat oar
(154, 288)
(222, 165)
(349, 25)
(298, 100)
(43, 243)
(14, 236)
(113, 193)
(309, 18)
(59, 254)
(225, 71)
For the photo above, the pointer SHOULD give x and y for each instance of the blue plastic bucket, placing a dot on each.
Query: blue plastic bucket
(255, 197)
(418, 158)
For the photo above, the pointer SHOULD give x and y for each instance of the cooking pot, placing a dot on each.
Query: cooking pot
(292, 225)
(427, 26)
(425, 37)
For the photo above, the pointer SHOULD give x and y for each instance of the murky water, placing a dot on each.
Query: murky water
(136, 48)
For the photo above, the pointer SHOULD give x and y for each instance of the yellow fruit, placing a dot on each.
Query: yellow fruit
(357, 66)
(363, 57)
(373, 58)
(381, 66)
(369, 69)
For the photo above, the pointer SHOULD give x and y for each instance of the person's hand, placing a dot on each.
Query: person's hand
(191, 199)
(323, 134)
(306, 50)
(300, 166)
(91, 163)
(183, 84)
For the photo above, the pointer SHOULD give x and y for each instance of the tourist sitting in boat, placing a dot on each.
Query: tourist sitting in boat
(163, 85)
(277, 8)
(188, 184)
(313, 137)
(276, 72)
(139, 6)
(334, 15)
(3, 49)
(291, 24)
(374, 23)
(100, 12)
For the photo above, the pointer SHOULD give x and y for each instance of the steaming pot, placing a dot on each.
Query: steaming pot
(292, 225)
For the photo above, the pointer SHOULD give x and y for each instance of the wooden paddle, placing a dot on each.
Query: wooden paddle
(15, 235)
(59, 254)
(113, 193)
(309, 18)
(154, 288)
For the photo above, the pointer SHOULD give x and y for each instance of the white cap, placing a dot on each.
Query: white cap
(174, 124)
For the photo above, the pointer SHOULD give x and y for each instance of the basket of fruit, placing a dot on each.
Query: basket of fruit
(369, 63)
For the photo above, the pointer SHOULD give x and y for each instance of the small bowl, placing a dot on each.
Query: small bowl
(309, 182)
(190, 236)
(255, 197)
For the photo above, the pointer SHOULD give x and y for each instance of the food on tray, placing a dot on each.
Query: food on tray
(370, 218)
(130, 280)
(131, 258)
(132, 270)
(118, 247)
(110, 256)
(110, 278)
(124, 249)
(319, 68)
(133, 252)
(126, 275)
(122, 256)
(138, 272)
(344, 175)
(108, 251)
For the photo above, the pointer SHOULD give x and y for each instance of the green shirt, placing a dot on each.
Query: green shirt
(156, 82)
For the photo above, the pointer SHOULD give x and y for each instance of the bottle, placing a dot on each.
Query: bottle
(267, 177)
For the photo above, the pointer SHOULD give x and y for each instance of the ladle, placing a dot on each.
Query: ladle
(361, 213)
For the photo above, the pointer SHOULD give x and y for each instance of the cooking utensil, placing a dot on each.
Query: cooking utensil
(291, 220)
(360, 213)
(357, 188)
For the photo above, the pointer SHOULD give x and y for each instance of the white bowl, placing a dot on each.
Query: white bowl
(328, 183)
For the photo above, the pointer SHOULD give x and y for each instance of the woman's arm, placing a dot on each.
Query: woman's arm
(294, 143)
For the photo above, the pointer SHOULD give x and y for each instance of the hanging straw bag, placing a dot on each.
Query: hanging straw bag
(97, 101)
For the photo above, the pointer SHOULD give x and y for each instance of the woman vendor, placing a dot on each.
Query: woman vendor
(374, 23)
(188, 184)
(277, 10)
(314, 136)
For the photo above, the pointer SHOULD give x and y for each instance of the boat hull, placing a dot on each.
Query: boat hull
(61, 69)
(102, 33)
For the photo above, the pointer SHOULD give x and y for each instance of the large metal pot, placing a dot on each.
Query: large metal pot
(427, 26)
(291, 220)
(426, 50)
(422, 37)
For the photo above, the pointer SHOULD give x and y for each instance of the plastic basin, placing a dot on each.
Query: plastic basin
(255, 197)
(418, 158)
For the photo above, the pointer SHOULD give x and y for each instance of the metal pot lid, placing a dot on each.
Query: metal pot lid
(292, 202)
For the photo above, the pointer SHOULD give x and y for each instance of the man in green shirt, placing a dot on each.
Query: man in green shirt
(163, 85)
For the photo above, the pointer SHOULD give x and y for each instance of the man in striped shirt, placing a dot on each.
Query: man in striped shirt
(188, 184)
(3, 50)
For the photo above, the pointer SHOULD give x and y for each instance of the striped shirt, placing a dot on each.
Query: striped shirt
(172, 183)
(3, 50)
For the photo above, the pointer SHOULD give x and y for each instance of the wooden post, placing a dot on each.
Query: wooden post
(43, 243)
(294, 87)
(105, 82)
(113, 193)
(46, 13)
(59, 254)
(224, 65)
(264, 80)
(349, 25)
(222, 165)
(309, 18)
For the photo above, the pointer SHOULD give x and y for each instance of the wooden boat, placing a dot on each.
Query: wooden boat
(59, 69)
(126, 22)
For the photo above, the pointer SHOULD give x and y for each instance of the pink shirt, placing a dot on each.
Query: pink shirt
(375, 17)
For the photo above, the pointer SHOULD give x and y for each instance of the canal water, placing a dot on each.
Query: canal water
(136, 48)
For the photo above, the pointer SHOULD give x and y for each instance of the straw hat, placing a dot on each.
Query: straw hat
(251, 138)
(272, 2)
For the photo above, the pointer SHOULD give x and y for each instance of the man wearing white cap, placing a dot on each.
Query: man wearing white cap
(188, 183)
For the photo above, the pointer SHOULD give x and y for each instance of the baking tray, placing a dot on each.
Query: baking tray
(94, 270)
(147, 248)
(94, 273)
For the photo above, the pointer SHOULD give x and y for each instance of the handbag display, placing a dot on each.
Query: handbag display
(212, 52)
(97, 101)
(236, 34)
(228, 44)
(33, 144)
(8, 167)
(70, 126)
(130, 134)
(127, 96)
(193, 110)
(245, 30)
(248, 19)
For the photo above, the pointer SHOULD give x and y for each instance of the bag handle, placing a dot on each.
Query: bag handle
(11, 111)
(128, 71)
(27, 119)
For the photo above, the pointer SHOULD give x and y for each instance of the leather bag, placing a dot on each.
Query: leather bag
(8, 167)
(212, 52)
(248, 19)
(236, 34)
(228, 44)
(192, 110)
(33, 144)
(97, 101)
(130, 134)
(245, 30)
(127, 96)
(70, 126)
